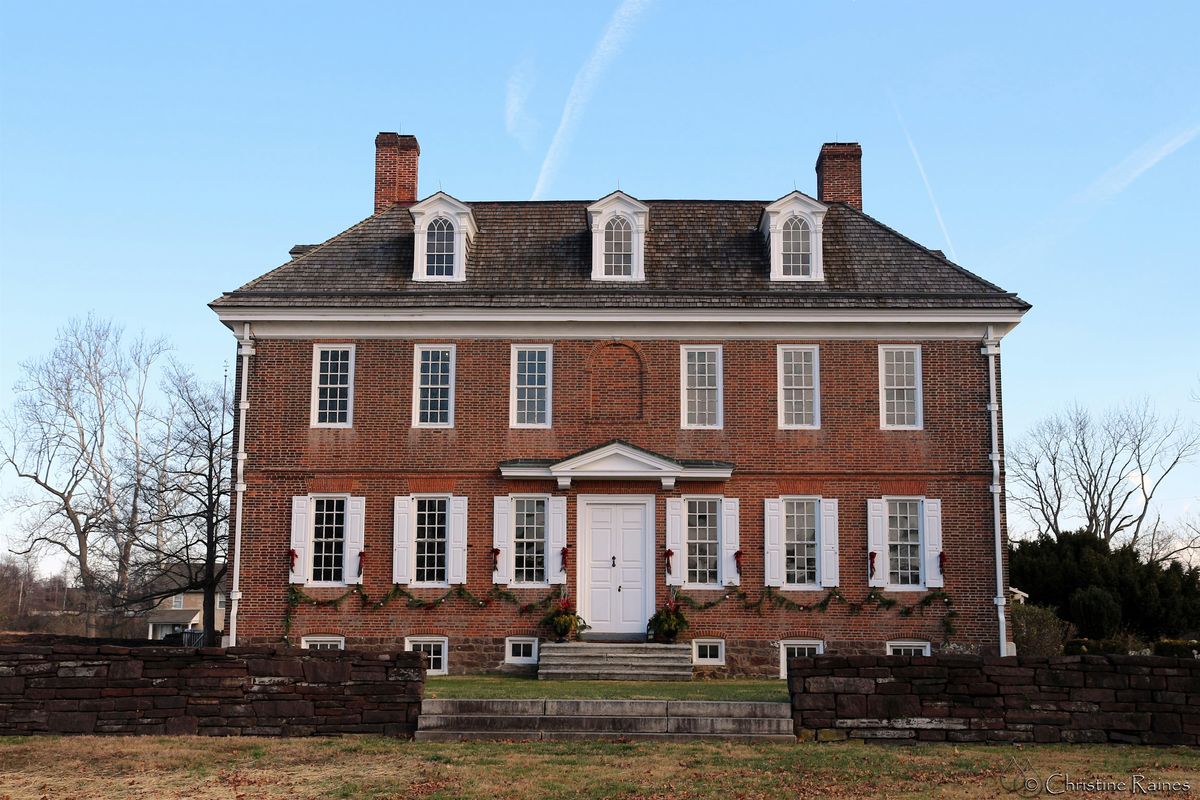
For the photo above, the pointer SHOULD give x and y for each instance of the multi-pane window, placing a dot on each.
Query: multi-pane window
(432, 526)
(529, 540)
(439, 249)
(904, 542)
(900, 386)
(434, 649)
(798, 648)
(797, 248)
(908, 648)
(331, 400)
(800, 542)
(531, 386)
(798, 402)
(177, 601)
(703, 541)
(701, 387)
(618, 247)
(433, 403)
(708, 651)
(323, 643)
(329, 539)
(521, 650)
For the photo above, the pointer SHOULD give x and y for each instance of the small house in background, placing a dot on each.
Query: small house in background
(182, 611)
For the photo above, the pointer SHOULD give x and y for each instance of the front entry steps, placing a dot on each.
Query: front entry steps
(678, 720)
(613, 661)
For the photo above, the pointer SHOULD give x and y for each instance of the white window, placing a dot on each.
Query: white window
(436, 648)
(531, 386)
(908, 647)
(708, 652)
(327, 539)
(431, 540)
(799, 387)
(618, 223)
(177, 601)
(904, 539)
(529, 540)
(323, 643)
(701, 383)
(443, 229)
(433, 386)
(333, 386)
(801, 545)
(900, 387)
(220, 601)
(521, 650)
(798, 648)
(529, 533)
(439, 249)
(800, 535)
(703, 542)
(703, 537)
(797, 248)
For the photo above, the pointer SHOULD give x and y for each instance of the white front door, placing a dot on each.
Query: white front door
(615, 593)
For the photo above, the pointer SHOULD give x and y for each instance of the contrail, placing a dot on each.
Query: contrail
(1135, 165)
(937, 211)
(608, 48)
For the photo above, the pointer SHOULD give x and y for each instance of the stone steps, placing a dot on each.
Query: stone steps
(454, 720)
(615, 661)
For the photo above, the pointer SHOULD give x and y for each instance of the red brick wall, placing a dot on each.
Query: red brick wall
(849, 458)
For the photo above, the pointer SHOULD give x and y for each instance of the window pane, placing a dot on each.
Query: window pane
(532, 387)
(434, 398)
(703, 382)
(618, 247)
(904, 542)
(439, 249)
(435, 651)
(329, 536)
(797, 248)
(801, 650)
(798, 387)
(529, 540)
(702, 541)
(333, 386)
(800, 541)
(431, 539)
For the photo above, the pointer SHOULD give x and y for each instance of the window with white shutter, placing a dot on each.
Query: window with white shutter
(801, 542)
(905, 536)
(675, 559)
(327, 539)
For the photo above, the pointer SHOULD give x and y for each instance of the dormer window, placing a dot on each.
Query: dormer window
(618, 248)
(618, 224)
(797, 248)
(792, 227)
(439, 249)
(443, 229)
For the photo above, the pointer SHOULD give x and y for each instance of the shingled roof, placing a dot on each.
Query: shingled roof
(699, 254)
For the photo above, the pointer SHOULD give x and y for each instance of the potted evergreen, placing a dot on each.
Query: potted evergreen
(667, 622)
(564, 620)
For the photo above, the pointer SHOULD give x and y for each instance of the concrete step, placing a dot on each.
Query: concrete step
(615, 661)
(523, 736)
(593, 673)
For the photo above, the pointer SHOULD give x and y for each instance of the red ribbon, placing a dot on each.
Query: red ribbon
(942, 563)
(293, 555)
(361, 558)
(495, 559)
(737, 560)
(871, 558)
(668, 555)
(564, 558)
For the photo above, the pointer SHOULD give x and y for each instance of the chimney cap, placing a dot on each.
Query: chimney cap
(404, 141)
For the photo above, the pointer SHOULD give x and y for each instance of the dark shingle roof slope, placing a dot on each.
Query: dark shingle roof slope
(699, 254)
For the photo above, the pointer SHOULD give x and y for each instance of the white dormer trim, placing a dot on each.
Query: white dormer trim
(458, 214)
(617, 461)
(776, 215)
(619, 204)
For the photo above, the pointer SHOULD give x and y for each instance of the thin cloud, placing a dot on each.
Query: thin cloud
(611, 43)
(517, 121)
(1135, 165)
(937, 211)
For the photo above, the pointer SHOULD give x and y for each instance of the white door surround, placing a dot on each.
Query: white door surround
(615, 538)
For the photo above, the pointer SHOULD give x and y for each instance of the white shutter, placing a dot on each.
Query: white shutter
(301, 528)
(933, 543)
(731, 539)
(830, 570)
(402, 540)
(877, 542)
(773, 542)
(556, 535)
(502, 539)
(675, 543)
(456, 572)
(356, 511)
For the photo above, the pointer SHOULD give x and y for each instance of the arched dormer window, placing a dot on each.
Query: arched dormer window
(443, 229)
(439, 249)
(797, 248)
(618, 248)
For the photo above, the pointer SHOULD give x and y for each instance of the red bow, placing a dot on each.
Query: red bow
(737, 560)
(293, 554)
(668, 555)
(495, 559)
(942, 563)
(871, 558)
(361, 559)
(564, 558)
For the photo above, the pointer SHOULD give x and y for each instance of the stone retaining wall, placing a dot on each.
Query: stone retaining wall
(1127, 699)
(258, 691)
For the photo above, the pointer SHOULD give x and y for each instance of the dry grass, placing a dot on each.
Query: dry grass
(373, 767)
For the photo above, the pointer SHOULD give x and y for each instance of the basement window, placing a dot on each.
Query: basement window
(908, 647)
(798, 648)
(323, 643)
(521, 650)
(434, 647)
(708, 652)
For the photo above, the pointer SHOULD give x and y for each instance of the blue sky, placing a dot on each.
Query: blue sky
(153, 154)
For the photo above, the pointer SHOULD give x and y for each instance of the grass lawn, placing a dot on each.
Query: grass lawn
(195, 768)
(525, 687)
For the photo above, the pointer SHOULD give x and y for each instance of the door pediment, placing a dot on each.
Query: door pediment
(617, 460)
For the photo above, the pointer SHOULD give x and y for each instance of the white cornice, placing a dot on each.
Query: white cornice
(617, 461)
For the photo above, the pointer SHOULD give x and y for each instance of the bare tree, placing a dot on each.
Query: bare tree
(1100, 474)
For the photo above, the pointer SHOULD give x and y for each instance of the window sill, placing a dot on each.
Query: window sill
(708, 587)
(332, 425)
(901, 427)
(528, 427)
(702, 427)
(906, 588)
(432, 426)
(515, 585)
(804, 587)
(326, 584)
(799, 427)
(415, 585)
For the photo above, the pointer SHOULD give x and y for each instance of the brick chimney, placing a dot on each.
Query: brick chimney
(395, 170)
(839, 173)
